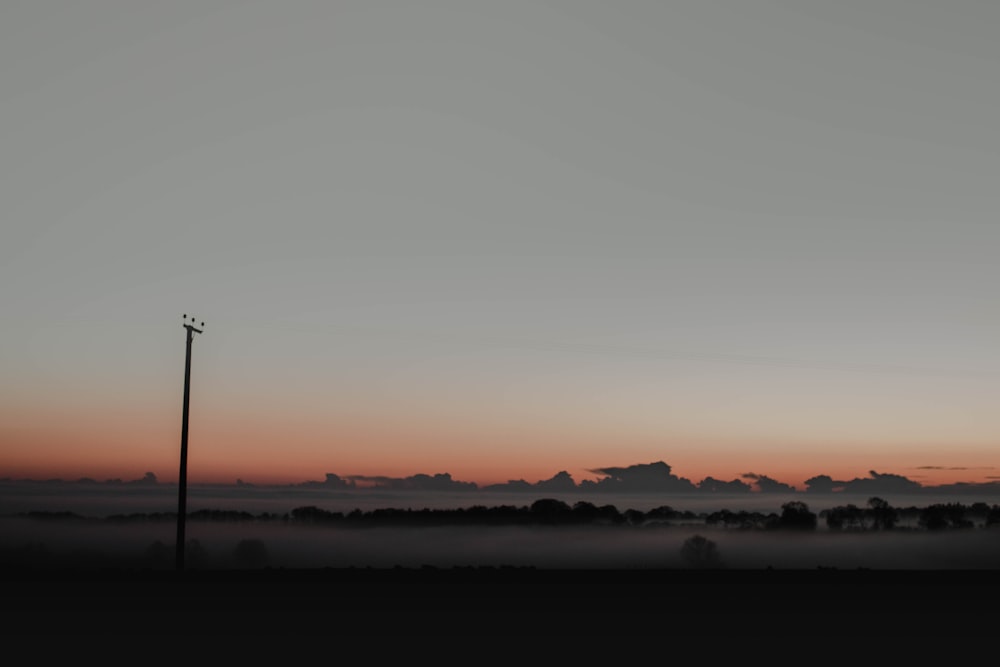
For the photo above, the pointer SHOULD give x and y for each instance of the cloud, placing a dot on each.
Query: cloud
(332, 481)
(656, 477)
(418, 482)
(562, 481)
(875, 485)
(712, 485)
(639, 478)
(765, 484)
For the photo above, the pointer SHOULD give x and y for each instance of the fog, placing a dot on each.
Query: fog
(94, 543)
(91, 540)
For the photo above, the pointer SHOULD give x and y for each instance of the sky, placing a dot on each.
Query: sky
(500, 240)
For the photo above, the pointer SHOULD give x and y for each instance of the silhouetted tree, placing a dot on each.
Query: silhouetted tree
(722, 516)
(250, 553)
(944, 515)
(158, 555)
(700, 552)
(744, 520)
(883, 516)
(220, 515)
(313, 514)
(584, 512)
(195, 555)
(550, 510)
(879, 515)
(795, 515)
(610, 514)
(845, 517)
(634, 517)
(661, 513)
(978, 512)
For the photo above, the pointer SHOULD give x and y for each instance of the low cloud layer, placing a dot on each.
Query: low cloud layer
(656, 477)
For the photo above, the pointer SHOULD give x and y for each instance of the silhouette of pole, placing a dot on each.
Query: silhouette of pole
(182, 478)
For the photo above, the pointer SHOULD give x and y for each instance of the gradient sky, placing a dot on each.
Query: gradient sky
(500, 239)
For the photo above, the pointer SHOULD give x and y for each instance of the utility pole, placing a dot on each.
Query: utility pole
(182, 479)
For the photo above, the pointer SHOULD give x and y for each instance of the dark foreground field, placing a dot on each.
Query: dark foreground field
(504, 602)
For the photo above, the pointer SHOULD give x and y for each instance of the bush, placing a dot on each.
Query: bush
(700, 552)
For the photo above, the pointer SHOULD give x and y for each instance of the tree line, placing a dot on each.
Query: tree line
(876, 515)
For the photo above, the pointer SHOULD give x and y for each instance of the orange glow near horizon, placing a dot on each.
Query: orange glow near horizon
(224, 449)
(274, 439)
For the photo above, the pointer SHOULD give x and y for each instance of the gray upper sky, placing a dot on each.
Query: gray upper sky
(558, 207)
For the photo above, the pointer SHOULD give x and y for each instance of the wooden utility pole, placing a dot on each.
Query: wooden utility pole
(182, 479)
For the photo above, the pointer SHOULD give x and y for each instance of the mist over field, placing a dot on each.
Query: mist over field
(89, 539)
(84, 545)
